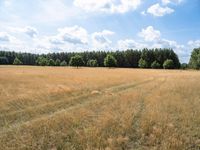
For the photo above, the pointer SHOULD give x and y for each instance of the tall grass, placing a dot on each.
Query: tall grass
(67, 108)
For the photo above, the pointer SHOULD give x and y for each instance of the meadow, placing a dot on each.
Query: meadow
(58, 108)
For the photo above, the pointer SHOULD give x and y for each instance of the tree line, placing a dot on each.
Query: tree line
(194, 62)
(146, 58)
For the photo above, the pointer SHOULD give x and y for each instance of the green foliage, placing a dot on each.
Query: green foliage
(142, 63)
(17, 62)
(155, 65)
(121, 58)
(50, 62)
(92, 63)
(42, 61)
(57, 63)
(184, 66)
(76, 61)
(168, 64)
(148, 57)
(110, 61)
(195, 59)
(63, 63)
(129, 58)
(3, 60)
(132, 58)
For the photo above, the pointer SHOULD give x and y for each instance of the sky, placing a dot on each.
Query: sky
(46, 26)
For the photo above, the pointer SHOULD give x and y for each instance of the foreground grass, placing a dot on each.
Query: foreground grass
(66, 108)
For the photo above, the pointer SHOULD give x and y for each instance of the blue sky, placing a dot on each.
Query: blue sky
(43, 26)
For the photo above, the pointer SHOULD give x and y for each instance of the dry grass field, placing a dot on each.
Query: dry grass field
(95, 109)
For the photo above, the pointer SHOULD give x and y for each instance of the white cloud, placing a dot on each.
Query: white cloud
(159, 11)
(73, 38)
(194, 44)
(10, 42)
(67, 39)
(130, 44)
(73, 35)
(5, 37)
(164, 43)
(165, 2)
(143, 13)
(153, 40)
(150, 34)
(28, 30)
(181, 50)
(32, 32)
(7, 3)
(54, 11)
(100, 39)
(109, 6)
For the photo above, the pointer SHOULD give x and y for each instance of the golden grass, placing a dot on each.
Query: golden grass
(112, 109)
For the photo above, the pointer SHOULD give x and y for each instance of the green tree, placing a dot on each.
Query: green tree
(195, 59)
(63, 63)
(168, 64)
(92, 63)
(184, 66)
(120, 57)
(128, 58)
(132, 58)
(76, 61)
(3, 60)
(17, 62)
(155, 65)
(110, 61)
(57, 62)
(51, 62)
(148, 56)
(142, 63)
(42, 61)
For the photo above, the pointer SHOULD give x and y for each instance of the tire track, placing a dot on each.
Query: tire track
(137, 118)
(63, 98)
(32, 113)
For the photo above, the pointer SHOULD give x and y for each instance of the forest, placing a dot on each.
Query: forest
(146, 58)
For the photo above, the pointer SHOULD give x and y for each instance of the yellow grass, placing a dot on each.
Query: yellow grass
(96, 109)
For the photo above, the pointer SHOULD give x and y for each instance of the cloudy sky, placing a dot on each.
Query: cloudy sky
(43, 26)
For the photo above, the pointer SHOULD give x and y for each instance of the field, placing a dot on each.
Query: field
(87, 108)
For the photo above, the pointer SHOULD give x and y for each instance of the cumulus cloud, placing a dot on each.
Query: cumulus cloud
(181, 50)
(194, 44)
(55, 11)
(72, 38)
(150, 34)
(130, 44)
(109, 6)
(153, 39)
(165, 2)
(164, 43)
(32, 32)
(100, 39)
(73, 35)
(28, 30)
(10, 42)
(5, 37)
(159, 11)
